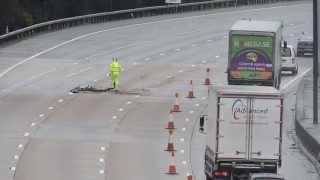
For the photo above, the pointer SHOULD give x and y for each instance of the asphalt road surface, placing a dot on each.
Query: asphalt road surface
(49, 133)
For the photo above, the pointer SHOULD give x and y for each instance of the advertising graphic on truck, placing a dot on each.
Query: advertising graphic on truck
(254, 53)
(251, 57)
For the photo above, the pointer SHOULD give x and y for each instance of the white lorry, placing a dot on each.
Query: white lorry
(244, 131)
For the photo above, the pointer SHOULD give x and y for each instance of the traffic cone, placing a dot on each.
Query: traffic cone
(176, 106)
(190, 93)
(170, 125)
(170, 145)
(172, 169)
(207, 81)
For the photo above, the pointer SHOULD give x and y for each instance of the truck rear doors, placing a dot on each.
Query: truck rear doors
(249, 128)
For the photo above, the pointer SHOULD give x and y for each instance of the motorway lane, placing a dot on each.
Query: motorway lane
(160, 46)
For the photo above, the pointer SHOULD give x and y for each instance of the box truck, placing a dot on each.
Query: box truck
(254, 53)
(244, 131)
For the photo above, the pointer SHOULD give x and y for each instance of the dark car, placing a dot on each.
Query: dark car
(305, 48)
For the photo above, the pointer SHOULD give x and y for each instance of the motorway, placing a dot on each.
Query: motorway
(49, 133)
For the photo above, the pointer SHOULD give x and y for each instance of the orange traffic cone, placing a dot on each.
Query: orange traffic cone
(190, 93)
(172, 169)
(170, 125)
(170, 145)
(176, 106)
(207, 80)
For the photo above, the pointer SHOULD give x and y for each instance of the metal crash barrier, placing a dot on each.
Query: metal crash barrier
(127, 14)
(304, 116)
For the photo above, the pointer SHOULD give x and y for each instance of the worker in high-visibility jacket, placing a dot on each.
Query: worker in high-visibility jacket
(114, 72)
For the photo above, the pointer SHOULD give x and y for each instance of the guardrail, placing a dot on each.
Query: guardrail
(304, 114)
(125, 14)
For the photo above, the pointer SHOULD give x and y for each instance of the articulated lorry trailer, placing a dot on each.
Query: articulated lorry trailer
(254, 53)
(244, 131)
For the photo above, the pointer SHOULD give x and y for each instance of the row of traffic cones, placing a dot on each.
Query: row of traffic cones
(172, 169)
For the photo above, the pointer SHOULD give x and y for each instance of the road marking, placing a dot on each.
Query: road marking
(33, 124)
(129, 102)
(2, 74)
(114, 117)
(209, 40)
(121, 109)
(16, 157)
(101, 160)
(26, 134)
(203, 62)
(217, 56)
(147, 59)
(187, 119)
(178, 49)
(41, 115)
(191, 112)
(162, 54)
(180, 71)
(103, 148)
(184, 129)
(182, 139)
(80, 71)
(60, 100)
(296, 78)
(101, 171)
(13, 168)
(20, 146)
(50, 108)
(184, 162)
(182, 151)
(197, 105)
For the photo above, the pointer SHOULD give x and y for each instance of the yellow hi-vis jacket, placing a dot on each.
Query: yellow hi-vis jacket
(114, 68)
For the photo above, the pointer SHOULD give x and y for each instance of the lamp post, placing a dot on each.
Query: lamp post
(315, 62)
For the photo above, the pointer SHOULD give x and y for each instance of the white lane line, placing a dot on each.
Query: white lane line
(2, 74)
(60, 100)
(296, 78)
(162, 54)
(147, 59)
(33, 124)
(114, 117)
(51, 108)
(182, 139)
(20, 146)
(182, 151)
(16, 157)
(41, 115)
(80, 71)
(187, 119)
(183, 129)
(13, 168)
(101, 160)
(101, 171)
(178, 49)
(102, 148)
(184, 162)
(121, 109)
(129, 102)
(26, 134)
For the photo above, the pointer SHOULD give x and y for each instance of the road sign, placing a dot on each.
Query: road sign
(173, 1)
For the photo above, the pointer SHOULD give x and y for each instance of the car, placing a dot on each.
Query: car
(288, 61)
(305, 47)
(265, 176)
